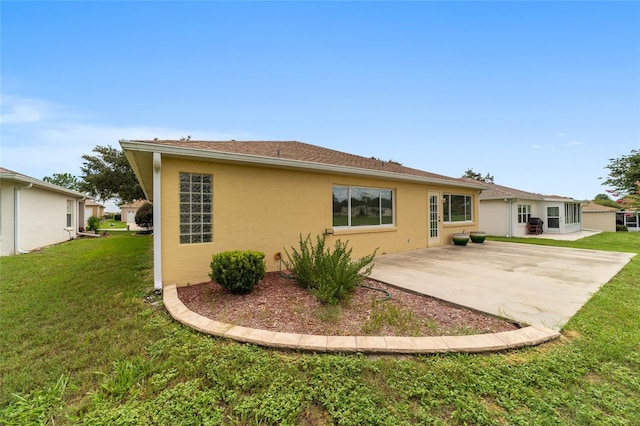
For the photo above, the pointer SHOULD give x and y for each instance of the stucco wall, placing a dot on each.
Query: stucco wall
(603, 221)
(43, 218)
(267, 209)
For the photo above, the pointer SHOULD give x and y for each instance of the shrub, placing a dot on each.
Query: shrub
(330, 276)
(238, 271)
(144, 216)
(622, 228)
(93, 223)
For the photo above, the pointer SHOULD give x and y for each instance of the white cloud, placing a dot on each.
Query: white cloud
(573, 143)
(39, 139)
(537, 146)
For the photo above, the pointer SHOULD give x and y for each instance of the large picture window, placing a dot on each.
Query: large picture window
(524, 213)
(571, 213)
(358, 206)
(196, 199)
(457, 208)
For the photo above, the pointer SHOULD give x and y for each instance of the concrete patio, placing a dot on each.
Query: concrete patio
(530, 284)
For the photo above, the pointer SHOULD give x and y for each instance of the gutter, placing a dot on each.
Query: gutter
(16, 219)
(157, 223)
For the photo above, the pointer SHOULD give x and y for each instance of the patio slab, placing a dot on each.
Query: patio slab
(530, 284)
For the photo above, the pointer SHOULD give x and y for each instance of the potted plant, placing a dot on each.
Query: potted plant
(478, 236)
(460, 238)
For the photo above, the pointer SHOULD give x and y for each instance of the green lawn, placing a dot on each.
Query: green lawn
(112, 224)
(85, 341)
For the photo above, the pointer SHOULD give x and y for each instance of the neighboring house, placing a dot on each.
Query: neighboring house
(34, 213)
(91, 208)
(211, 197)
(598, 217)
(506, 211)
(629, 218)
(128, 211)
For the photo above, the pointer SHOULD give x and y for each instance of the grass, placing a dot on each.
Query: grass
(84, 341)
(112, 224)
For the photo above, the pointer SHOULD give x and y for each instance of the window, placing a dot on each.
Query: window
(356, 206)
(457, 208)
(69, 213)
(524, 213)
(571, 213)
(196, 199)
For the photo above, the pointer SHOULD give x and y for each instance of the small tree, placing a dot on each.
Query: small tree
(144, 216)
(65, 180)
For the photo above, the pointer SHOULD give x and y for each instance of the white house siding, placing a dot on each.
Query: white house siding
(493, 219)
(42, 221)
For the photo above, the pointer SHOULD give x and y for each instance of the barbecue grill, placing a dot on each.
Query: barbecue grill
(534, 225)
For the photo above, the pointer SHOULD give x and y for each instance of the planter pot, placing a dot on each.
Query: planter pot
(460, 239)
(478, 237)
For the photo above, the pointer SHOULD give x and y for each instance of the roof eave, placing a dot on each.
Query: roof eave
(285, 163)
(23, 179)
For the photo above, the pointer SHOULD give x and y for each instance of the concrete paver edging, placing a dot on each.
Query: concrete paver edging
(527, 336)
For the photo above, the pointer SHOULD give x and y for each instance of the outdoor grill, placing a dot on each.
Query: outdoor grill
(534, 225)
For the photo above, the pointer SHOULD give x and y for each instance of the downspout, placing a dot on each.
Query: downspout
(157, 224)
(16, 219)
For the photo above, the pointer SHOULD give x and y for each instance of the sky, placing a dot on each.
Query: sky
(540, 94)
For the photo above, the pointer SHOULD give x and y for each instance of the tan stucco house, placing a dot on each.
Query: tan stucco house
(34, 213)
(211, 197)
(128, 210)
(598, 217)
(92, 208)
(506, 212)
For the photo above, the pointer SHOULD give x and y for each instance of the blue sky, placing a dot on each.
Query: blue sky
(539, 94)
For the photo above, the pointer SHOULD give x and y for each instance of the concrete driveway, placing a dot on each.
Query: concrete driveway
(536, 285)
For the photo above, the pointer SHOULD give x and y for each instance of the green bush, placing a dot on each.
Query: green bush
(330, 276)
(93, 223)
(238, 271)
(622, 228)
(144, 216)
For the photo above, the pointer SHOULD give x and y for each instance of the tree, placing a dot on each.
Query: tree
(108, 175)
(144, 216)
(65, 180)
(478, 176)
(624, 177)
(605, 200)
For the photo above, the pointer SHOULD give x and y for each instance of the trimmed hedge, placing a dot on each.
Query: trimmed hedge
(238, 271)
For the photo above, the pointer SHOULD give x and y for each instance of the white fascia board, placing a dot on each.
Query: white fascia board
(286, 163)
(23, 179)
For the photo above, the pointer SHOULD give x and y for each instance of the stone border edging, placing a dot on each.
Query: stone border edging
(527, 336)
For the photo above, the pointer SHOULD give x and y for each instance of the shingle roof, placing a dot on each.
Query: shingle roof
(10, 175)
(303, 152)
(499, 191)
(593, 207)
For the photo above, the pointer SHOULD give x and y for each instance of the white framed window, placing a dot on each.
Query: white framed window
(457, 208)
(70, 205)
(355, 206)
(524, 213)
(196, 205)
(571, 213)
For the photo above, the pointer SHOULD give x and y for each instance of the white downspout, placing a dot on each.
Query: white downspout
(16, 219)
(157, 224)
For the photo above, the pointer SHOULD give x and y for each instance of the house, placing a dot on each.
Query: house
(128, 211)
(629, 218)
(211, 197)
(91, 208)
(599, 217)
(34, 213)
(506, 212)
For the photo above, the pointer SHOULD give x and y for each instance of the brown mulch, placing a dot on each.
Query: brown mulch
(277, 303)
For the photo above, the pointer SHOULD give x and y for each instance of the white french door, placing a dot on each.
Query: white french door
(433, 213)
